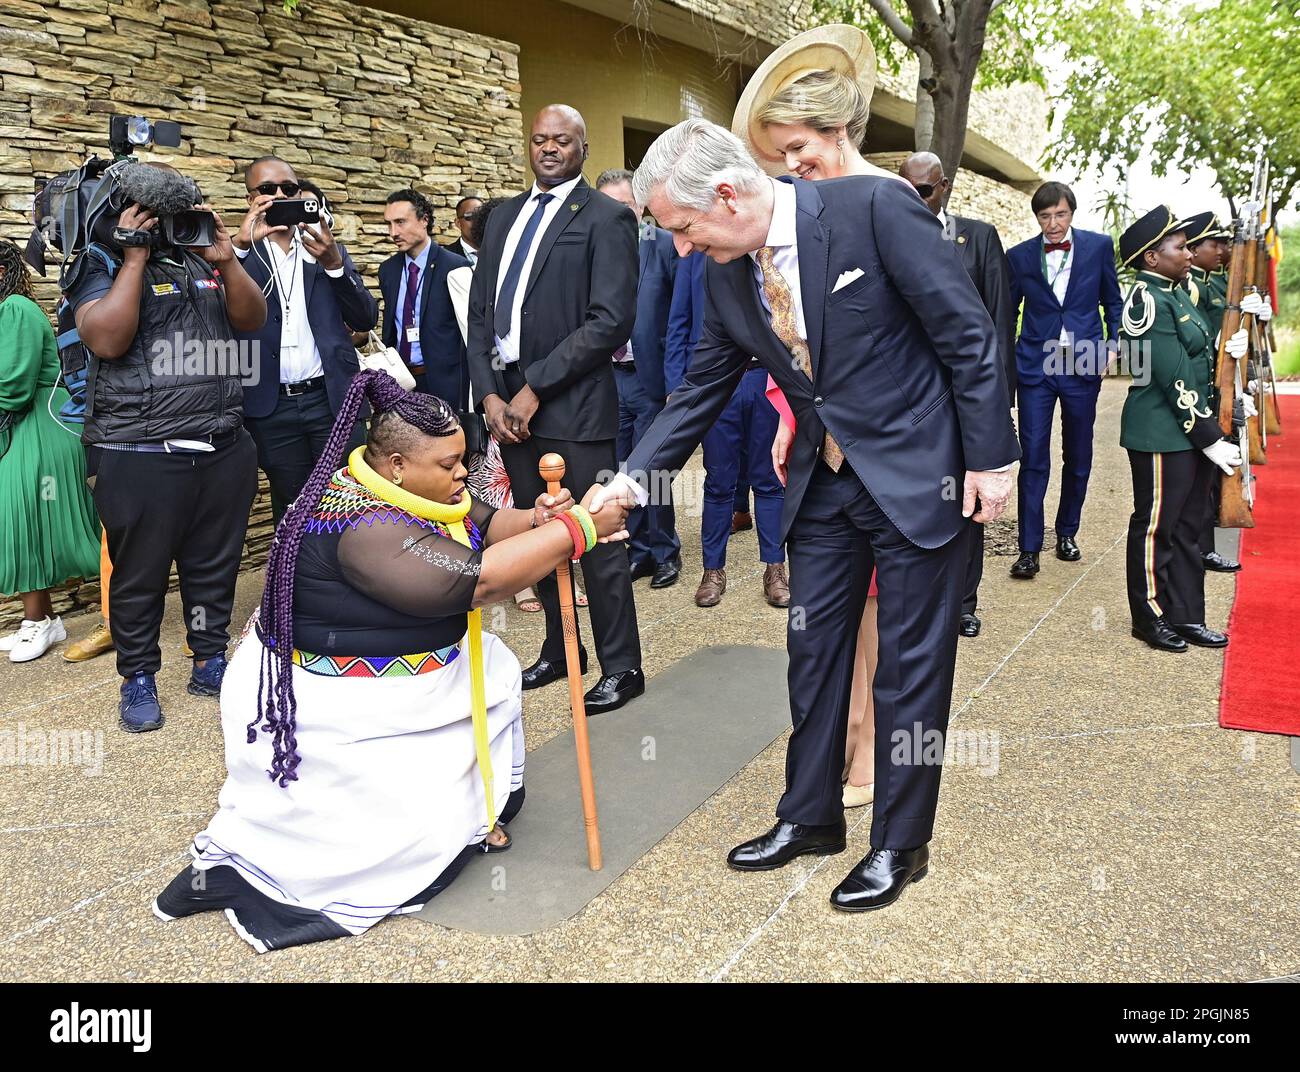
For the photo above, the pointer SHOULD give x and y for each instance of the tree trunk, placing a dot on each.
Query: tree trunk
(924, 103)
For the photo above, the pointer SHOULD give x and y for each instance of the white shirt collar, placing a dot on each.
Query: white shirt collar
(559, 193)
(942, 217)
(781, 232)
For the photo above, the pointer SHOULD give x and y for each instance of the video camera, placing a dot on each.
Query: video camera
(84, 205)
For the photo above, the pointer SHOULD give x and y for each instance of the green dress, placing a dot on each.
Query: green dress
(50, 532)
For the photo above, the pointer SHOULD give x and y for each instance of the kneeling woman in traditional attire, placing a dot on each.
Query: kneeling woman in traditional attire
(390, 721)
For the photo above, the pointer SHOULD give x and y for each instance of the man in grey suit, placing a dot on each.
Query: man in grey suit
(848, 294)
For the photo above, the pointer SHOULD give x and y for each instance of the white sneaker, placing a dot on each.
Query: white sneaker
(36, 638)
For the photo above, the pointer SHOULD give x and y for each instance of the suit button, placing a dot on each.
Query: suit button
(818, 401)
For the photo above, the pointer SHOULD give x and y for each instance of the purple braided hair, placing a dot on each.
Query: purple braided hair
(276, 706)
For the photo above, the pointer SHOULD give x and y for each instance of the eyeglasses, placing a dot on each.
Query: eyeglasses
(926, 189)
(468, 217)
(289, 189)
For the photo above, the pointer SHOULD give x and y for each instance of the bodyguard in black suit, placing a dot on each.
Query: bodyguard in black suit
(419, 319)
(466, 208)
(553, 296)
(980, 249)
(306, 359)
(849, 295)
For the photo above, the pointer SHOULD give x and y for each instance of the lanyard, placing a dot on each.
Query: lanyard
(1051, 279)
(291, 260)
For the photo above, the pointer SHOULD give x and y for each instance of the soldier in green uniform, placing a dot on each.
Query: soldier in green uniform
(1208, 287)
(1172, 437)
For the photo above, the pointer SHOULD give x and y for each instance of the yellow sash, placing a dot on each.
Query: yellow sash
(453, 516)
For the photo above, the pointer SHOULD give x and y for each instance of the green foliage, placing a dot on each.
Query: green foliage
(1206, 84)
(1288, 277)
(1008, 56)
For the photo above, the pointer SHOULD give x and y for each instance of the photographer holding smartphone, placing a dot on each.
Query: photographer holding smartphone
(305, 358)
(173, 473)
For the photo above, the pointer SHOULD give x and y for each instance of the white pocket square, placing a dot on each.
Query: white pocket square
(845, 279)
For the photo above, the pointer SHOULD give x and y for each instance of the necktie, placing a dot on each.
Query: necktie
(1052, 247)
(781, 302)
(408, 310)
(506, 298)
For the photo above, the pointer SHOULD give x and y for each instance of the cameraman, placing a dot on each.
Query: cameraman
(174, 472)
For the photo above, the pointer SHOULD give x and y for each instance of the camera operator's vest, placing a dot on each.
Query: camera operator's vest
(180, 378)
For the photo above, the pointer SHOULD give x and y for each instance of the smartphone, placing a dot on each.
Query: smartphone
(289, 212)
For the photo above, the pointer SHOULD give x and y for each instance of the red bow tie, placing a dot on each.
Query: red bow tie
(1052, 247)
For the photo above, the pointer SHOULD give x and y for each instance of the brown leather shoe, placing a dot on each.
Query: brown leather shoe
(98, 642)
(741, 521)
(712, 585)
(776, 589)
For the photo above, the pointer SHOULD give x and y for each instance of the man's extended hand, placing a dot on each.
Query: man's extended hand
(993, 491)
(622, 490)
(222, 250)
(520, 412)
(255, 228)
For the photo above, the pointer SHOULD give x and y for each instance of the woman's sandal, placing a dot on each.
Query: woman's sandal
(489, 847)
(581, 599)
(530, 604)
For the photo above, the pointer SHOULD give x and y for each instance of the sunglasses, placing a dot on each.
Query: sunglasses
(926, 189)
(468, 217)
(289, 189)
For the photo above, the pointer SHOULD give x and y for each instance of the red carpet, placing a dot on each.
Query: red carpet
(1261, 673)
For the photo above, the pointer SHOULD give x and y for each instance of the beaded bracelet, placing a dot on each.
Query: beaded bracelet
(575, 534)
(588, 525)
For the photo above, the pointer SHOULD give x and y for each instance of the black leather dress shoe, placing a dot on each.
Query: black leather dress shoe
(1201, 636)
(667, 573)
(1216, 563)
(543, 672)
(645, 568)
(969, 626)
(784, 842)
(1026, 566)
(1159, 635)
(1067, 550)
(612, 691)
(880, 878)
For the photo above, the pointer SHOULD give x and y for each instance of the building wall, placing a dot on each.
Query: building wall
(600, 66)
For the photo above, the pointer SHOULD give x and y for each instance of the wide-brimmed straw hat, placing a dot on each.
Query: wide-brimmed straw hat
(835, 48)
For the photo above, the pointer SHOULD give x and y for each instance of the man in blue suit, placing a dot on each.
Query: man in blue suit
(653, 548)
(1063, 278)
(306, 359)
(849, 296)
(419, 319)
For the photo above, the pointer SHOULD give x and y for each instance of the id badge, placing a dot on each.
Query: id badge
(288, 338)
(413, 333)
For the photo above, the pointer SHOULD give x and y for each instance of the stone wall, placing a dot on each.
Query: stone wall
(363, 102)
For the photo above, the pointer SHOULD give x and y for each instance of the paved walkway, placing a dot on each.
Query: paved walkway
(1108, 830)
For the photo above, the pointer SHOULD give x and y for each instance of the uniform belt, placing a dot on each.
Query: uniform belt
(289, 390)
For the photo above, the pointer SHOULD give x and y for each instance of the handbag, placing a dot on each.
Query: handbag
(383, 358)
(474, 425)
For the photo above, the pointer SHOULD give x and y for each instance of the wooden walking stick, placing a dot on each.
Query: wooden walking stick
(551, 468)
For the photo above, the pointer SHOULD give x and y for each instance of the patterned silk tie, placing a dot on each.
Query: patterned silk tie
(781, 302)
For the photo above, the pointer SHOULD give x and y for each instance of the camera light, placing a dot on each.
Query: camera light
(138, 130)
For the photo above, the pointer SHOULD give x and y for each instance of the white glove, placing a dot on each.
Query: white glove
(1248, 406)
(1238, 344)
(1252, 387)
(1227, 456)
(1253, 304)
(1266, 314)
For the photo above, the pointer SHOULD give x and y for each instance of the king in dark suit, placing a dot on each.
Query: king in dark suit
(553, 297)
(1062, 278)
(850, 297)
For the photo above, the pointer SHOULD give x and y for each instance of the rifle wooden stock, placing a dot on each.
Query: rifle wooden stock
(1234, 509)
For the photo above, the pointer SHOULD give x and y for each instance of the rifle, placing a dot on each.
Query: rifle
(1254, 370)
(1237, 499)
(1271, 421)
